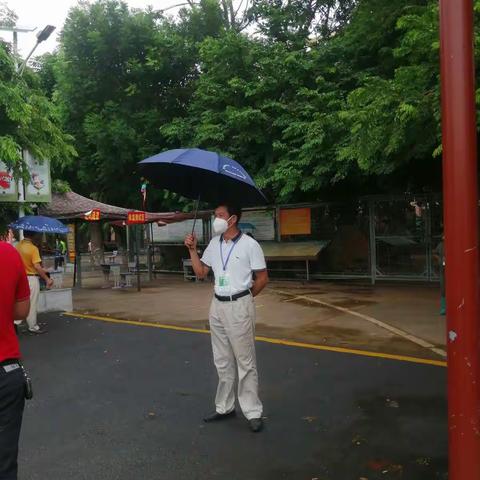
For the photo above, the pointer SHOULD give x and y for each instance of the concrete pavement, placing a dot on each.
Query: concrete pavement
(322, 313)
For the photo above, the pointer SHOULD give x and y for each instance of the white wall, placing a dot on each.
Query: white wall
(176, 232)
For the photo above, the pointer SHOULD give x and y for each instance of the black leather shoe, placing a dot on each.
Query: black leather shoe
(215, 416)
(256, 424)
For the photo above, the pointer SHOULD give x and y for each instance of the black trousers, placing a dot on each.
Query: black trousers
(12, 403)
(59, 261)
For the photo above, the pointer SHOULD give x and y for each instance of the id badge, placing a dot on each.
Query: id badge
(223, 285)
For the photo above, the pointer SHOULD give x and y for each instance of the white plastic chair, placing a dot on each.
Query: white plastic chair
(57, 278)
(115, 271)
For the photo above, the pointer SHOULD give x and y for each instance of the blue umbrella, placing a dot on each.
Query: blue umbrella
(196, 173)
(37, 223)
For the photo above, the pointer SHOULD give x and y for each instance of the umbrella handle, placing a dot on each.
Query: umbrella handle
(196, 213)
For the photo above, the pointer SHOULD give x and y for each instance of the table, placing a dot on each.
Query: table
(110, 258)
(188, 273)
(294, 252)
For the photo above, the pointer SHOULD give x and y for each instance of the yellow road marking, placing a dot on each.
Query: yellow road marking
(138, 323)
(276, 341)
(368, 318)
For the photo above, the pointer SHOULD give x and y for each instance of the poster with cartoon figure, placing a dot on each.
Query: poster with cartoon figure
(38, 189)
(8, 186)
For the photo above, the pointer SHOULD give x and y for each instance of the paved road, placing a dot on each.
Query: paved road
(122, 402)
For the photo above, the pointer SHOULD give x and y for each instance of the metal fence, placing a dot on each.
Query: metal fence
(372, 237)
(376, 237)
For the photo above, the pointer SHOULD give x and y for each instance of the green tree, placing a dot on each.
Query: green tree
(233, 15)
(121, 74)
(314, 97)
(358, 105)
(8, 17)
(296, 21)
(28, 120)
(393, 115)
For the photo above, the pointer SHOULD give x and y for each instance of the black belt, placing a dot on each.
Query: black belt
(9, 361)
(232, 297)
(32, 275)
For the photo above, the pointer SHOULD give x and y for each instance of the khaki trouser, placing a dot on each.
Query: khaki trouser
(34, 283)
(232, 327)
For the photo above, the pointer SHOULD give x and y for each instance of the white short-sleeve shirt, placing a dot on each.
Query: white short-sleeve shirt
(246, 257)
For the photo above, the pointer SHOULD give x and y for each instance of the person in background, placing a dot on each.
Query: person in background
(60, 251)
(63, 248)
(15, 303)
(33, 268)
(9, 237)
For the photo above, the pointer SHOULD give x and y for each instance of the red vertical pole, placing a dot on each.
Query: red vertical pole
(461, 237)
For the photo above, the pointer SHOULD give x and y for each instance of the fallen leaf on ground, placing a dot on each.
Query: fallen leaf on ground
(357, 440)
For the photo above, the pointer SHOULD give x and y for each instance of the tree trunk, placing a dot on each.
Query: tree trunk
(226, 14)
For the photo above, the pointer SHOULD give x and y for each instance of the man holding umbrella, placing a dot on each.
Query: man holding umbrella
(211, 177)
(233, 257)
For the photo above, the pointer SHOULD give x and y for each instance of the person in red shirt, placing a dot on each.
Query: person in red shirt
(14, 304)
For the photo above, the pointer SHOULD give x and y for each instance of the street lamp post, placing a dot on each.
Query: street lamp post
(41, 37)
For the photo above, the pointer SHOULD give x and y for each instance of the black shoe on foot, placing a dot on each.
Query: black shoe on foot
(215, 416)
(256, 424)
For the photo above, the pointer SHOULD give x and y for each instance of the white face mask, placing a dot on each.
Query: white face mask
(220, 225)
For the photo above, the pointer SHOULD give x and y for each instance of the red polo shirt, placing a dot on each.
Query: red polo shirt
(13, 288)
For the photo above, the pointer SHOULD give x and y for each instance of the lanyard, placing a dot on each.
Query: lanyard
(225, 263)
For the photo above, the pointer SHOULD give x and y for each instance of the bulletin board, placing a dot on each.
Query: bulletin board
(295, 221)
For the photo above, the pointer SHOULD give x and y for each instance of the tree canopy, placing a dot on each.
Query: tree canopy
(313, 97)
(28, 119)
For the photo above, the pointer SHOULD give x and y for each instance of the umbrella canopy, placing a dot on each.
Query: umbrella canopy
(39, 224)
(196, 173)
